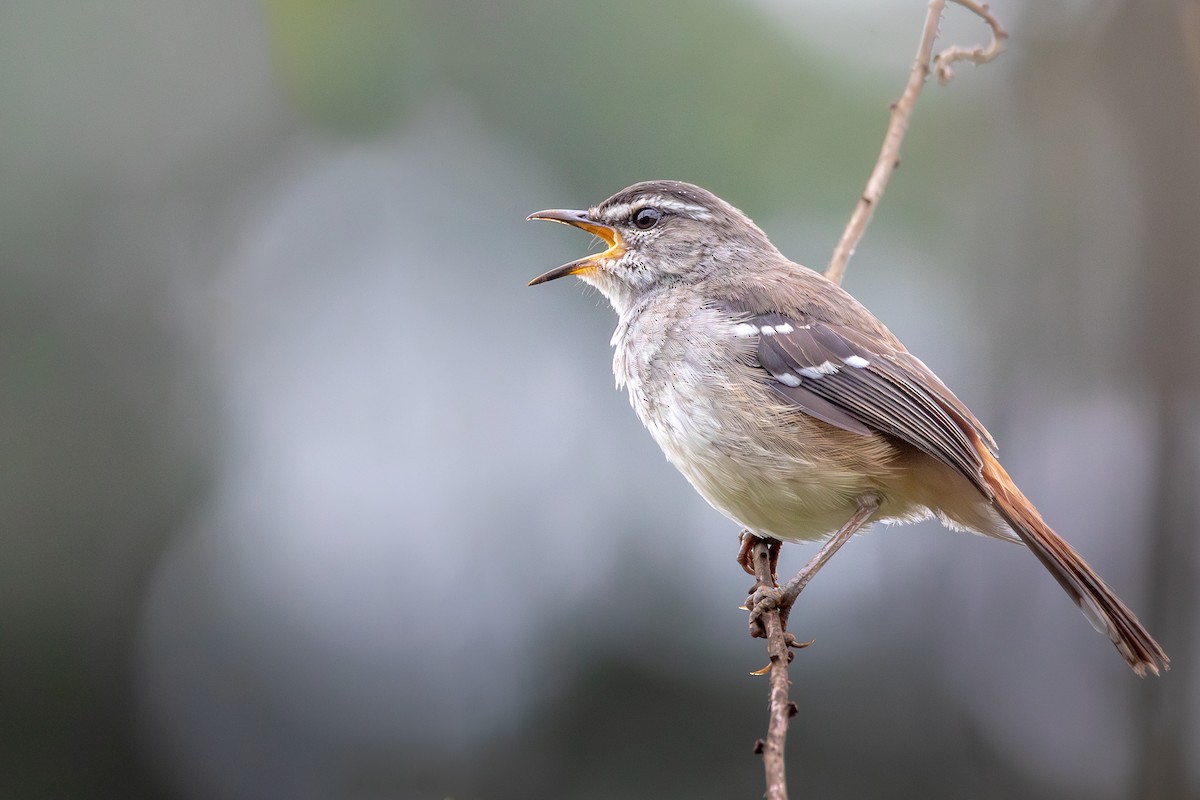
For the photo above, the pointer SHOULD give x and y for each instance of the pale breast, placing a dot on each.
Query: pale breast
(753, 458)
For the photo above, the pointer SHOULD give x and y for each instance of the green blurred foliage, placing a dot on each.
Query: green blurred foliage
(705, 91)
(351, 66)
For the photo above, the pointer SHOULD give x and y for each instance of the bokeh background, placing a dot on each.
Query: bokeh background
(303, 493)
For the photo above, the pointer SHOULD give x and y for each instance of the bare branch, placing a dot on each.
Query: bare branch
(769, 611)
(781, 707)
(976, 55)
(889, 155)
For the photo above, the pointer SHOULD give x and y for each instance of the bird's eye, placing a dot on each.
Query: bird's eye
(646, 219)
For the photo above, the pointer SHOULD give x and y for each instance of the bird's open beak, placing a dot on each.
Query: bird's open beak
(616, 247)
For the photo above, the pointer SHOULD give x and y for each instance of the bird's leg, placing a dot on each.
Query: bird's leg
(758, 556)
(768, 596)
(764, 594)
(867, 505)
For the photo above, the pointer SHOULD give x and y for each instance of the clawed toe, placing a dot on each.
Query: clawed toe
(762, 600)
(745, 556)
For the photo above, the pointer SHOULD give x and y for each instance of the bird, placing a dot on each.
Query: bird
(788, 405)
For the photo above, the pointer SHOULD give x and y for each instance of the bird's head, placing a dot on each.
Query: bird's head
(658, 233)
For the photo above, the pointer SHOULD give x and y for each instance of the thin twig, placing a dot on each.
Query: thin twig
(769, 610)
(781, 708)
(976, 55)
(889, 155)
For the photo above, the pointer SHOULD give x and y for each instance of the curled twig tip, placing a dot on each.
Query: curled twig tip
(889, 156)
(976, 55)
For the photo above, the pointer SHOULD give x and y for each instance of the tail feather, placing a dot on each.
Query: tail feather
(1098, 603)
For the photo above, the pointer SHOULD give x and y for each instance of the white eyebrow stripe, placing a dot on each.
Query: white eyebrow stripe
(680, 207)
(620, 211)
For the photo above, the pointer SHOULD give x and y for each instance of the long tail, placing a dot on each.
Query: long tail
(1098, 603)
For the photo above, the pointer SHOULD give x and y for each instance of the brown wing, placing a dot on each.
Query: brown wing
(861, 384)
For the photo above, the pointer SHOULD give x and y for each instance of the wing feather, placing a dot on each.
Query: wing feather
(861, 384)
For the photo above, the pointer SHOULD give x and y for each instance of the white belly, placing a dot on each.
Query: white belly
(772, 495)
(713, 423)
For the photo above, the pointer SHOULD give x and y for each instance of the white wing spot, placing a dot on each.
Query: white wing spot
(744, 330)
(785, 328)
(856, 361)
(788, 379)
(822, 369)
(767, 330)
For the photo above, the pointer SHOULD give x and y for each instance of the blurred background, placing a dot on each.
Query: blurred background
(303, 493)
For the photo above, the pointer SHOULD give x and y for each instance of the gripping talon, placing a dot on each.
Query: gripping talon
(761, 601)
(745, 556)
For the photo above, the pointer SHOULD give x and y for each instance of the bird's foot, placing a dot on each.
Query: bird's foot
(762, 599)
(745, 556)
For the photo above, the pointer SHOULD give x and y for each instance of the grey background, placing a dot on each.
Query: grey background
(303, 494)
